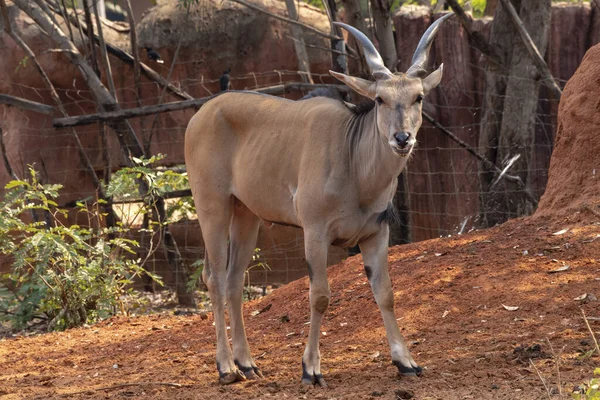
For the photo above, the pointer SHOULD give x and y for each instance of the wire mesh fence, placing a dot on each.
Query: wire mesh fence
(443, 178)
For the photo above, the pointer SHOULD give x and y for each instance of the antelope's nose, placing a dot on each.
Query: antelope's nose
(402, 138)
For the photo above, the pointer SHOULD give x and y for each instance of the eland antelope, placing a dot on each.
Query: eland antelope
(317, 164)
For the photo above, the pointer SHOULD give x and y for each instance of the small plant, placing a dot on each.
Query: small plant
(125, 183)
(256, 263)
(64, 275)
(590, 390)
(195, 276)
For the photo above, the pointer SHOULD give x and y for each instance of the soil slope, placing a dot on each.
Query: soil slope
(574, 174)
(449, 296)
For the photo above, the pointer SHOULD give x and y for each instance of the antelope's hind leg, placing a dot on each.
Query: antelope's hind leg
(242, 235)
(375, 257)
(215, 219)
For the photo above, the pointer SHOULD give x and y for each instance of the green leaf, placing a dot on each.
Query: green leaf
(14, 184)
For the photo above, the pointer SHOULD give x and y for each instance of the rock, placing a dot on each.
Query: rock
(402, 394)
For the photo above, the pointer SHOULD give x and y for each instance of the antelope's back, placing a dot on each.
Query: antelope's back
(239, 126)
(259, 147)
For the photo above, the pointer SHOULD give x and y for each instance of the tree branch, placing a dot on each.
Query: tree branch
(62, 7)
(56, 98)
(122, 385)
(485, 161)
(129, 142)
(313, 46)
(179, 105)
(7, 165)
(537, 58)
(299, 46)
(476, 37)
(129, 59)
(136, 57)
(183, 31)
(176, 194)
(26, 104)
(102, 45)
(92, 49)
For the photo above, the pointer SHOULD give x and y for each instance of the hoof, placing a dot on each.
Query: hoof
(408, 371)
(309, 379)
(252, 372)
(227, 378)
(315, 380)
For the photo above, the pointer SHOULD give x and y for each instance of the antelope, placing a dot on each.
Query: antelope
(316, 164)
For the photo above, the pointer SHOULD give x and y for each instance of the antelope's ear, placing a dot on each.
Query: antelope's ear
(360, 86)
(433, 79)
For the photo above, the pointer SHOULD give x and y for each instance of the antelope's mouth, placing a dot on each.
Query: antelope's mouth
(402, 151)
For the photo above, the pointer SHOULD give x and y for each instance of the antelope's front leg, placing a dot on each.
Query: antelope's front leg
(316, 256)
(375, 254)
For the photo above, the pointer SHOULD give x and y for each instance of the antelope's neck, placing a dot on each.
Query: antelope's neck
(373, 164)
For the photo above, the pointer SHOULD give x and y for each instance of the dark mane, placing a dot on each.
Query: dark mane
(357, 109)
(323, 92)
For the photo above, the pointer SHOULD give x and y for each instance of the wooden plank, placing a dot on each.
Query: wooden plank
(179, 105)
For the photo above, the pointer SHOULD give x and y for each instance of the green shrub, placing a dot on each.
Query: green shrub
(67, 275)
(125, 182)
(591, 389)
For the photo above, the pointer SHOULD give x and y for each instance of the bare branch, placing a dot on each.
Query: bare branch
(7, 165)
(26, 104)
(102, 45)
(128, 58)
(179, 105)
(62, 7)
(148, 140)
(129, 142)
(5, 17)
(122, 385)
(77, 23)
(135, 53)
(541, 379)
(299, 46)
(176, 194)
(476, 37)
(338, 63)
(314, 46)
(56, 98)
(537, 58)
(485, 161)
(137, 78)
(148, 72)
(90, 33)
(289, 21)
(591, 331)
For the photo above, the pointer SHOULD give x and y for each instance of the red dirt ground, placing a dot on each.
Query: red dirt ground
(449, 294)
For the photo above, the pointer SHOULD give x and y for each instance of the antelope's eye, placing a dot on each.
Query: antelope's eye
(419, 98)
(378, 100)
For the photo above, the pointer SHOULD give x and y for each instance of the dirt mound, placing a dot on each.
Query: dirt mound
(449, 297)
(574, 175)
